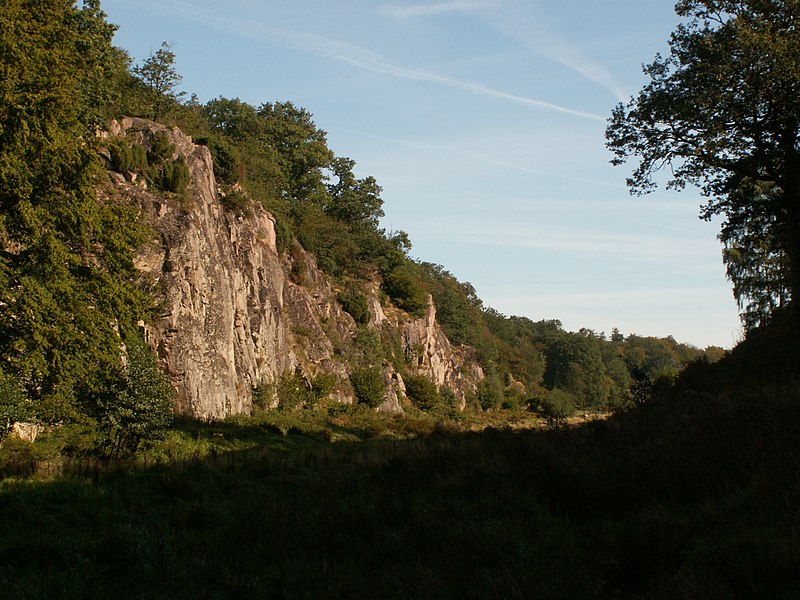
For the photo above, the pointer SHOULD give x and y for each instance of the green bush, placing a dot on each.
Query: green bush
(238, 203)
(556, 407)
(368, 385)
(14, 407)
(224, 156)
(422, 391)
(127, 157)
(140, 411)
(405, 291)
(161, 149)
(293, 391)
(490, 393)
(355, 304)
(175, 176)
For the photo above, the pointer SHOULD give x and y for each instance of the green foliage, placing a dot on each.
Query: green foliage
(355, 304)
(556, 407)
(127, 157)
(354, 201)
(575, 364)
(160, 149)
(405, 290)
(490, 392)
(369, 385)
(295, 391)
(159, 75)
(422, 391)
(140, 409)
(237, 202)
(367, 348)
(154, 162)
(302, 150)
(721, 112)
(224, 156)
(175, 177)
(519, 345)
(14, 407)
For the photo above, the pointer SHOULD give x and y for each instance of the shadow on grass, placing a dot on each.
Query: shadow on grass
(693, 495)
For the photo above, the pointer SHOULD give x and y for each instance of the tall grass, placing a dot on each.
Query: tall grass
(693, 495)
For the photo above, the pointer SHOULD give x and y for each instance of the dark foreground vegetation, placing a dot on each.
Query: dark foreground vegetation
(693, 494)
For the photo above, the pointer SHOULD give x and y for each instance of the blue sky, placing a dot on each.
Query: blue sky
(483, 121)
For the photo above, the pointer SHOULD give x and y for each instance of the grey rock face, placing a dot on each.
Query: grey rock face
(235, 313)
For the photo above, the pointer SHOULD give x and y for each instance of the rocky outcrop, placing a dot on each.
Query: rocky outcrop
(235, 313)
(433, 355)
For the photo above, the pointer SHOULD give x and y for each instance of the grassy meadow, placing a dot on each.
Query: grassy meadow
(694, 494)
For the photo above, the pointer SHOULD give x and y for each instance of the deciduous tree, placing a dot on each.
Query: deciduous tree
(159, 74)
(722, 111)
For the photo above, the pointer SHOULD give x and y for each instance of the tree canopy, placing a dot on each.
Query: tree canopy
(722, 112)
(66, 259)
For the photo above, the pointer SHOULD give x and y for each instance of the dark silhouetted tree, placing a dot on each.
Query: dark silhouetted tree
(722, 112)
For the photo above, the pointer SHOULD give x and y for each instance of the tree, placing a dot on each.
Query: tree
(141, 410)
(355, 201)
(159, 75)
(302, 150)
(575, 364)
(722, 112)
(66, 258)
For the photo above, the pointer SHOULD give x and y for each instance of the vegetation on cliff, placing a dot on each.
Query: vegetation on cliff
(68, 282)
(689, 489)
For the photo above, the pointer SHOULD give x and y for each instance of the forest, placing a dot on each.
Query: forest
(585, 464)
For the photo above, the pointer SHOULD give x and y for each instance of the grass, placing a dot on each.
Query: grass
(693, 495)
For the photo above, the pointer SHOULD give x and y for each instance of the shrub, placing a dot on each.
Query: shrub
(405, 291)
(355, 304)
(490, 393)
(14, 407)
(556, 407)
(225, 158)
(369, 385)
(237, 202)
(126, 157)
(422, 391)
(175, 177)
(140, 410)
(161, 149)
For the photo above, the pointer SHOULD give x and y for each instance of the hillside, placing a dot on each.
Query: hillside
(236, 245)
(220, 377)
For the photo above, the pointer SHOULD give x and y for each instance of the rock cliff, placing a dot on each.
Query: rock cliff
(236, 313)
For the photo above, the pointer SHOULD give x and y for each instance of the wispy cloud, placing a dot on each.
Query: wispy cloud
(571, 57)
(436, 8)
(360, 58)
(508, 165)
(522, 23)
(620, 247)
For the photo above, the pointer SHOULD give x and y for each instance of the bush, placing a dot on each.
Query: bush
(369, 385)
(238, 203)
(422, 391)
(175, 177)
(490, 393)
(161, 149)
(355, 304)
(225, 158)
(405, 291)
(14, 407)
(126, 157)
(556, 407)
(140, 410)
